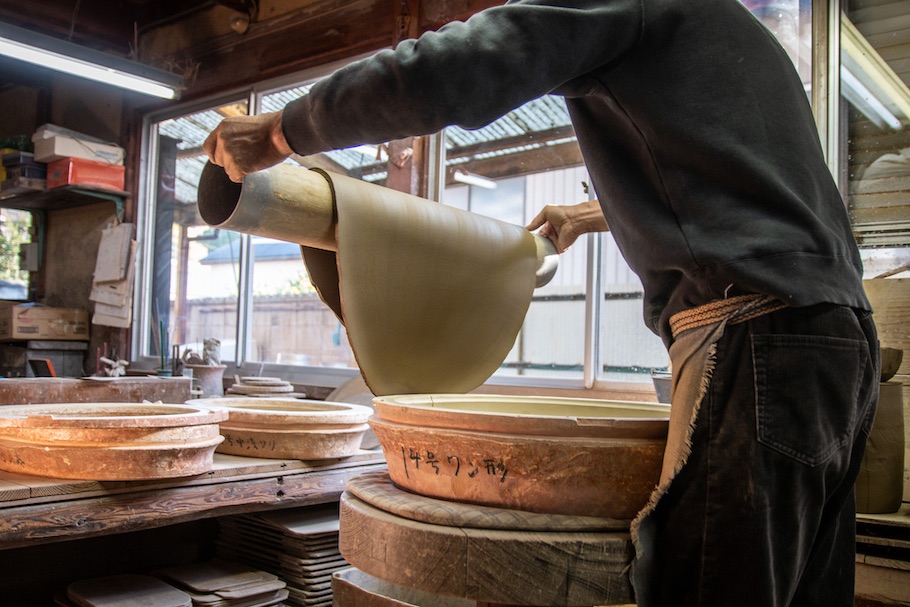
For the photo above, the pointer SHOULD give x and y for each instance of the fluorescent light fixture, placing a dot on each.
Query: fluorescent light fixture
(864, 101)
(471, 179)
(868, 81)
(55, 54)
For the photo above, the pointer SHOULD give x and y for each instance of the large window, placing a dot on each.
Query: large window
(190, 271)
(511, 169)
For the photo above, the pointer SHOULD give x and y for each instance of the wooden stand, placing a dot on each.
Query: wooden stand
(528, 565)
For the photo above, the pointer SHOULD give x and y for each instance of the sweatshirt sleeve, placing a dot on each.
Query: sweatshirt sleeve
(466, 73)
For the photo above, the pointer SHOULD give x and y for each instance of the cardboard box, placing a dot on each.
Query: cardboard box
(78, 171)
(32, 321)
(56, 143)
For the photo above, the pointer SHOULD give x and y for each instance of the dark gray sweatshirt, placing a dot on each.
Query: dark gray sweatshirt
(694, 126)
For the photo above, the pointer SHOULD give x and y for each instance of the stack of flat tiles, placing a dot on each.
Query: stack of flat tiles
(128, 590)
(208, 584)
(220, 583)
(300, 546)
(262, 386)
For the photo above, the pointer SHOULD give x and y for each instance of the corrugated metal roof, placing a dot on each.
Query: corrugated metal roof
(191, 130)
(264, 250)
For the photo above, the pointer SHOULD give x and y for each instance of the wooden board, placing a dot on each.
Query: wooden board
(507, 567)
(354, 588)
(20, 488)
(899, 519)
(376, 489)
(23, 391)
(92, 509)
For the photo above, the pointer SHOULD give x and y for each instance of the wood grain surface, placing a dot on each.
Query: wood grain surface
(23, 391)
(376, 489)
(59, 510)
(493, 566)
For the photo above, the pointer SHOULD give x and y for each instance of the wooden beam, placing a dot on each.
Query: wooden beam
(559, 156)
(311, 36)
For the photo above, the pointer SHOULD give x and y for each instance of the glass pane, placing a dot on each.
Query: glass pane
(629, 351)
(791, 22)
(290, 324)
(15, 231)
(509, 170)
(876, 112)
(195, 268)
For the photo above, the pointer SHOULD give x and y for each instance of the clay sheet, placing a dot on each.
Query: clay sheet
(432, 297)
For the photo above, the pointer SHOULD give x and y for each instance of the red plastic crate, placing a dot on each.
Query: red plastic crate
(78, 171)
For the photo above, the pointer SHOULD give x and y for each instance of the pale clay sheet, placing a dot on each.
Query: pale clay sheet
(432, 297)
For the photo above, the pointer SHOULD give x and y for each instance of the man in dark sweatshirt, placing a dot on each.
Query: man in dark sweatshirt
(702, 148)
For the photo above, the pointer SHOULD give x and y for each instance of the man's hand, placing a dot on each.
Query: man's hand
(244, 144)
(564, 224)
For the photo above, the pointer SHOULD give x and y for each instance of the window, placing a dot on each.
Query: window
(250, 292)
(289, 323)
(17, 253)
(875, 112)
(510, 170)
(191, 270)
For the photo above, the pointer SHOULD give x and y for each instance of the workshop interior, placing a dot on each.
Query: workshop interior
(282, 392)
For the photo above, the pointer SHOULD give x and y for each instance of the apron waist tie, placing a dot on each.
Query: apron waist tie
(735, 309)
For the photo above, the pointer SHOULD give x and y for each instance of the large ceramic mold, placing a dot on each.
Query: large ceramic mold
(552, 455)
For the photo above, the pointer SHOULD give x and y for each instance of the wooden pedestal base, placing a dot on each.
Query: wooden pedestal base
(518, 568)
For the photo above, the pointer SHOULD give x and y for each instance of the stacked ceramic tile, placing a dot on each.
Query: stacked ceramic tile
(261, 386)
(219, 583)
(300, 546)
(127, 590)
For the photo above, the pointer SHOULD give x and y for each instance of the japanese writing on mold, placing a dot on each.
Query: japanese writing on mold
(431, 462)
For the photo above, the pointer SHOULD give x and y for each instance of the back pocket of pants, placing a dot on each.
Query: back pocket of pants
(806, 390)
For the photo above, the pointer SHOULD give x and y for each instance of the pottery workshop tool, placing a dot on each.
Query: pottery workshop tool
(432, 297)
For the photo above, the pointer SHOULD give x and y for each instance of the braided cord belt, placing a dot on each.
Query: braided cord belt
(735, 309)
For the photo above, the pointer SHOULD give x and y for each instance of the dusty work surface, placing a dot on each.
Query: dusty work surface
(43, 390)
(34, 509)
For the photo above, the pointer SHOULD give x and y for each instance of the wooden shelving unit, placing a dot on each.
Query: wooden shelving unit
(37, 510)
(66, 196)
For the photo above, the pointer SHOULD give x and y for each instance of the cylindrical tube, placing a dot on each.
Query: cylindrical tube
(296, 205)
(284, 202)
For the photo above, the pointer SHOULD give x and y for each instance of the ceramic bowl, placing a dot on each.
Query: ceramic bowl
(276, 428)
(552, 455)
(108, 441)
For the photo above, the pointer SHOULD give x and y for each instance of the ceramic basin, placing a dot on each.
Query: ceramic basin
(277, 428)
(108, 441)
(554, 455)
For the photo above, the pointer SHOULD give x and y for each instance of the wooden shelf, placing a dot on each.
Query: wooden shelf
(62, 197)
(37, 510)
